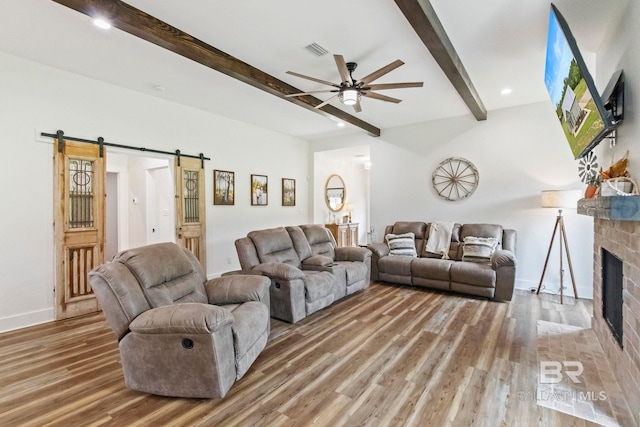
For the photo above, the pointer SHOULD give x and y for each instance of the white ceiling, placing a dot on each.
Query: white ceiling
(500, 42)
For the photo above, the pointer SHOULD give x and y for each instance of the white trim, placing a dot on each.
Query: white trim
(584, 292)
(24, 320)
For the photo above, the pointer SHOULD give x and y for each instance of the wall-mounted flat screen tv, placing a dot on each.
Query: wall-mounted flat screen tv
(578, 105)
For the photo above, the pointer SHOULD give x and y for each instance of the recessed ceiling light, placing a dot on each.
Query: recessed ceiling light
(102, 23)
(340, 124)
(506, 91)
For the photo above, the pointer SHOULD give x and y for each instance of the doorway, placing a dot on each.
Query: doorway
(352, 164)
(111, 224)
(160, 205)
(140, 202)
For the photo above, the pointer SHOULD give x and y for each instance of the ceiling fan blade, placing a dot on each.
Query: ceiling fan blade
(343, 70)
(313, 79)
(290, 95)
(357, 107)
(381, 97)
(326, 102)
(384, 86)
(381, 72)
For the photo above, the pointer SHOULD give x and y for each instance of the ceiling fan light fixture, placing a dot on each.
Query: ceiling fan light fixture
(349, 96)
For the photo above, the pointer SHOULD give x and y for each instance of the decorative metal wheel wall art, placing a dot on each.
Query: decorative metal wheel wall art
(588, 168)
(455, 178)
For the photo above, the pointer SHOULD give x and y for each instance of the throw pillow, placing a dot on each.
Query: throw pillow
(478, 249)
(402, 244)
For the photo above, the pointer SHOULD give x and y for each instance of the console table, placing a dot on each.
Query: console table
(345, 234)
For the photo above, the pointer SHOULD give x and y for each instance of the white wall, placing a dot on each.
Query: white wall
(36, 98)
(620, 50)
(139, 200)
(518, 152)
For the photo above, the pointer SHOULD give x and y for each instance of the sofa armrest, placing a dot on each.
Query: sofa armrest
(503, 258)
(277, 270)
(235, 289)
(504, 263)
(379, 249)
(183, 318)
(287, 291)
(349, 253)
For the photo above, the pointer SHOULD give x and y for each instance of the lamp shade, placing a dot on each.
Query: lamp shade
(560, 198)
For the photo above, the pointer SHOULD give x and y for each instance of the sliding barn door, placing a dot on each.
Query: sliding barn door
(190, 207)
(79, 216)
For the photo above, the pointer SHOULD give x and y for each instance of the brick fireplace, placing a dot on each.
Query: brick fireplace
(621, 238)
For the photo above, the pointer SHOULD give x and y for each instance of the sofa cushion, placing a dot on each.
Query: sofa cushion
(320, 240)
(482, 230)
(430, 268)
(247, 254)
(318, 284)
(455, 249)
(478, 249)
(397, 266)
(165, 273)
(401, 244)
(355, 271)
(275, 245)
(474, 274)
(300, 242)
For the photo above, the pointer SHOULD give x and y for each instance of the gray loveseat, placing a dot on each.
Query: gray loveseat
(494, 279)
(307, 271)
(179, 334)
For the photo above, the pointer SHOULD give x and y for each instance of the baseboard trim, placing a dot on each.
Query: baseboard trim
(583, 292)
(24, 320)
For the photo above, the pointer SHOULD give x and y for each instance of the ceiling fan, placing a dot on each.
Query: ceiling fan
(350, 90)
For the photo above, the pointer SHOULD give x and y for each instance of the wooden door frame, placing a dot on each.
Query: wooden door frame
(77, 251)
(191, 235)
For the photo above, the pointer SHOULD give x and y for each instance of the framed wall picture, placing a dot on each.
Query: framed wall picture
(288, 192)
(224, 184)
(259, 190)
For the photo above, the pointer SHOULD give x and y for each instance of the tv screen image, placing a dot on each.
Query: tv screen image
(578, 105)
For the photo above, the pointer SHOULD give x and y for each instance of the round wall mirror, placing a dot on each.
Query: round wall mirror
(335, 193)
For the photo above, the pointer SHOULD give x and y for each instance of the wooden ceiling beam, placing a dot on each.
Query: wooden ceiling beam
(426, 24)
(140, 24)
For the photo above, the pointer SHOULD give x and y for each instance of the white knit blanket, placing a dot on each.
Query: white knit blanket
(440, 238)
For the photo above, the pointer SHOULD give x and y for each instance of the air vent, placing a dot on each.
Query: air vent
(316, 49)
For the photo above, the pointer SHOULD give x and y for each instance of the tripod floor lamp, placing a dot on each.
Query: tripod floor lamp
(560, 199)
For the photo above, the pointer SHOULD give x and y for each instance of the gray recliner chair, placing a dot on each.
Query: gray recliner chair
(179, 334)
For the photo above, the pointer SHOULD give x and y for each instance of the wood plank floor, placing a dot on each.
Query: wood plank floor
(387, 356)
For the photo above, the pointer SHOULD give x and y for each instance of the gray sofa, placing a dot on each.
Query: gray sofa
(494, 279)
(179, 334)
(307, 271)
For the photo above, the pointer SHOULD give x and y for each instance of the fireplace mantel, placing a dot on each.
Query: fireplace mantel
(614, 208)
